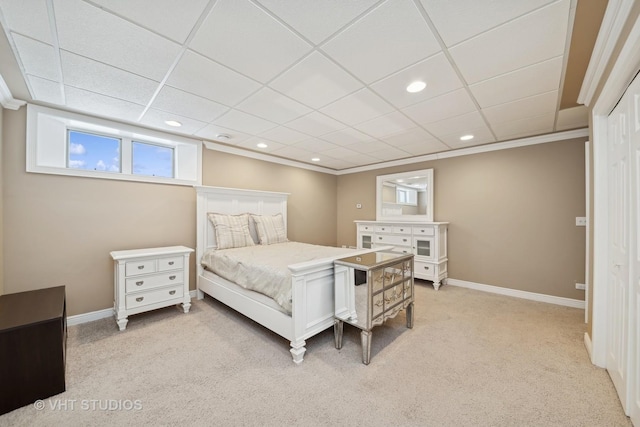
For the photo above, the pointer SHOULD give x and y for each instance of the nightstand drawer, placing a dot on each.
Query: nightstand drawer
(424, 270)
(153, 281)
(172, 263)
(134, 268)
(151, 297)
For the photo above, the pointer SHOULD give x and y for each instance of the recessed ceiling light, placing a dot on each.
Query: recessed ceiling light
(173, 123)
(416, 86)
(262, 145)
(466, 137)
(315, 159)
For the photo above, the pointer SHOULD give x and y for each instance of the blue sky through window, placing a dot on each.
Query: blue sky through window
(152, 160)
(93, 152)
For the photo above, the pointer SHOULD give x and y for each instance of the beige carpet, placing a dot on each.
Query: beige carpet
(472, 359)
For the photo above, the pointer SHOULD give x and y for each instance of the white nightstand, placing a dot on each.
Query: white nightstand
(147, 279)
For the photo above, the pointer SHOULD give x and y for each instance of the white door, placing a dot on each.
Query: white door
(618, 283)
(634, 318)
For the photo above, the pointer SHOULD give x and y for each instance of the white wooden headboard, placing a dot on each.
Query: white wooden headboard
(232, 201)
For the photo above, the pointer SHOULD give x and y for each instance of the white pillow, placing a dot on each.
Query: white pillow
(270, 229)
(232, 231)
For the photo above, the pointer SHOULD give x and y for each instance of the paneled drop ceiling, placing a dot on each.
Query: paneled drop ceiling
(306, 78)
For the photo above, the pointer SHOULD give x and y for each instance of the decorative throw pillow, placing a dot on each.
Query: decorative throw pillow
(270, 229)
(232, 231)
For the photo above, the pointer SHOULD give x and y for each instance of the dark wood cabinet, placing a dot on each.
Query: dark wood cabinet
(33, 340)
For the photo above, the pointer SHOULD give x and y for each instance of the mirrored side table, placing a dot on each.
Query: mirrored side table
(369, 289)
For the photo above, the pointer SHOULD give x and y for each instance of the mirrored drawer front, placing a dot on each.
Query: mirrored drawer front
(140, 267)
(153, 281)
(393, 240)
(423, 270)
(152, 297)
(424, 231)
(401, 230)
(363, 227)
(173, 263)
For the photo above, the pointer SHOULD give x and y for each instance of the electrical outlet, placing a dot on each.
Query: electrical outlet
(581, 221)
(580, 286)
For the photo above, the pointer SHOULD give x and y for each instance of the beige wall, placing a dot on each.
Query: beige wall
(512, 215)
(59, 229)
(1, 210)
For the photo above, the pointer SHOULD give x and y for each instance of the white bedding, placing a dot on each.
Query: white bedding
(264, 268)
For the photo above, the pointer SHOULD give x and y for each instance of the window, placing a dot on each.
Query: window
(152, 160)
(93, 152)
(64, 143)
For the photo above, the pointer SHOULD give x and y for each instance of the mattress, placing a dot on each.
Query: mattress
(265, 268)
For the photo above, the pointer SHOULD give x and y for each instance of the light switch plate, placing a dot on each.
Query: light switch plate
(581, 221)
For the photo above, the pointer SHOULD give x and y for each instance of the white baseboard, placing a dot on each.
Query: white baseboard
(568, 302)
(100, 314)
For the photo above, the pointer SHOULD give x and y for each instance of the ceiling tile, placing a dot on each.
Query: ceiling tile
(46, 90)
(387, 39)
(167, 17)
(459, 124)
(481, 135)
(359, 107)
(201, 76)
(342, 153)
(315, 145)
(315, 124)
(408, 137)
(527, 107)
(436, 72)
(461, 19)
(532, 80)
(211, 132)
(365, 147)
(442, 107)
(315, 81)
(156, 118)
(294, 152)
(100, 78)
(317, 20)
(284, 135)
(260, 39)
(524, 127)
(390, 153)
(573, 118)
(252, 144)
(271, 105)
(535, 37)
(94, 33)
(101, 105)
(423, 148)
(243, 122)
(38, 59)
(186, 104)
(347, 136)
(388, 124)
(29, 18)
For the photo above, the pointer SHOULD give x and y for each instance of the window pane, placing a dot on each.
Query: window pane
(152, 160)
(93, 152)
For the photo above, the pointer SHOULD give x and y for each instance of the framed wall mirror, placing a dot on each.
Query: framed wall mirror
(406, 196)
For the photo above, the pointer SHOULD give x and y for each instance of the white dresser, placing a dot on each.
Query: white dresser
(147, 279)
(427, 241)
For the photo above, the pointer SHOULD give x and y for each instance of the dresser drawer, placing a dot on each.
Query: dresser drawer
(151, 297)
(424, 231)
(401, 250)
(383, 229)
(134, 268)
(401, 230)
(424, 270)
(153, 281)
(393, 240)
(172, 263)
(365, 227)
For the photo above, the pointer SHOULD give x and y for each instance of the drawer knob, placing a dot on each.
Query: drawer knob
(379, 238)
(426, 268)
(139, 299)
(140, 267)
(171, 262)
(404, 240)
(139, 283)
(172, 292)
(172, 277)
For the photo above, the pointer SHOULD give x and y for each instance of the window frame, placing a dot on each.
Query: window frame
(48, 145)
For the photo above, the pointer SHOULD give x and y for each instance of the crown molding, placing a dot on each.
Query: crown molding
(6, 99)
(615, 17)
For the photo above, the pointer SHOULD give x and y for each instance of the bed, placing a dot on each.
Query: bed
(312, 282)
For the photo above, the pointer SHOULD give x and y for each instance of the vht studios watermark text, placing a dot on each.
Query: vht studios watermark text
(88, 405)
